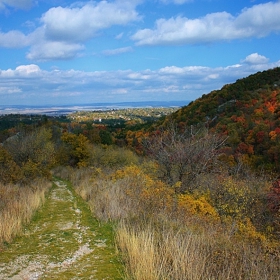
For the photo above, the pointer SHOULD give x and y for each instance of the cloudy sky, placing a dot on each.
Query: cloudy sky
(55, 52)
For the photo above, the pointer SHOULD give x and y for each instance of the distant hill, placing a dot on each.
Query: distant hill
(248, 111)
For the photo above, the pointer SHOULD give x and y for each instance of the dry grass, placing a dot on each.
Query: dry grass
(168, 257)
(158, 244)
(138, 265)
(108, 200)
(17, 206)
(151, 254)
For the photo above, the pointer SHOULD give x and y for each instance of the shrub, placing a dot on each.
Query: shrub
(10, 172)
(189, 205)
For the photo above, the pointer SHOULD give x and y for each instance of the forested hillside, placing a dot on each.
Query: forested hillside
(248, 112)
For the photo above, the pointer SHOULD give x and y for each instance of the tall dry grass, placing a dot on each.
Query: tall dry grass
(181, 254)
(17, 206)
(108, 200)
(160, 243)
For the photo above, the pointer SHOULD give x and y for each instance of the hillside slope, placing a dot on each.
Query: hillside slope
(248, 111)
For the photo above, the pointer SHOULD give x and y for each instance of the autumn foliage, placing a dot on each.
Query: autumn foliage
(274, 197)
(203, 178)
(248, 113)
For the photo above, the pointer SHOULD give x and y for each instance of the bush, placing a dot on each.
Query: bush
(10, 172)
(34, 153)
(110, 156)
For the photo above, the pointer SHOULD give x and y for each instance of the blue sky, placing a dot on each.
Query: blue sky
(59, 52)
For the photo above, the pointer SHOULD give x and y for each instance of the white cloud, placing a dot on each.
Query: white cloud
(255, 58)
(54, 50)
(75, 87)
(13, 39)
(28, 69)
(144, 75)
(19, 4)
(78, 24)
(22, 72)
(177, 2)
(182, 70)
(65, 30)
(257, 21)
(117, 51)
(212, 76)
(9, 90)
(121, 91)
(260, 20)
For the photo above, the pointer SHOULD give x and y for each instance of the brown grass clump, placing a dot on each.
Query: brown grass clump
(182, 254)
(17, 206)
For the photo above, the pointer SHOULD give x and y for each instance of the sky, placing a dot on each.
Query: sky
(60, 52)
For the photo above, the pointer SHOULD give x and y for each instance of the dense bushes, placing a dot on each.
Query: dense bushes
(74, 150)
(26, 157)
(10, 172)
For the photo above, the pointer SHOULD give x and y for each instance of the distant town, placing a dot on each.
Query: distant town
(121, 116)
(118, 117)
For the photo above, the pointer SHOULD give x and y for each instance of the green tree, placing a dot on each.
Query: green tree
(106, 137)
(75, 150)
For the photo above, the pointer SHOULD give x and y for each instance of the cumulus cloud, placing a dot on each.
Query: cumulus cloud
(255, 58)
(167, 83)
(77, 24)
(257, 21)
(28, 69)
(117, 51)
(65, 30)
(53, 51)
(19, 4)
(14, 39)
(21, 72)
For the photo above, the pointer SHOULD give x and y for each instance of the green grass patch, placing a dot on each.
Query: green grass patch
(63, 241)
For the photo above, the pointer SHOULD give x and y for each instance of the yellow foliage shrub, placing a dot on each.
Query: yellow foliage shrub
(132, 170)
(157, 195)
(247, 230)
(76, 148)
(151, 195)
(189, 205)
(233, 198)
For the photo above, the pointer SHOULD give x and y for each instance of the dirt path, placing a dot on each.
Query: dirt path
(63, 242)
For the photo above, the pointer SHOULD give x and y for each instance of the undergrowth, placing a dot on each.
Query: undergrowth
(163, 235)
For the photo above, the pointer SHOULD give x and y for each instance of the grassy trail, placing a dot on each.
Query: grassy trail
(63, 241)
